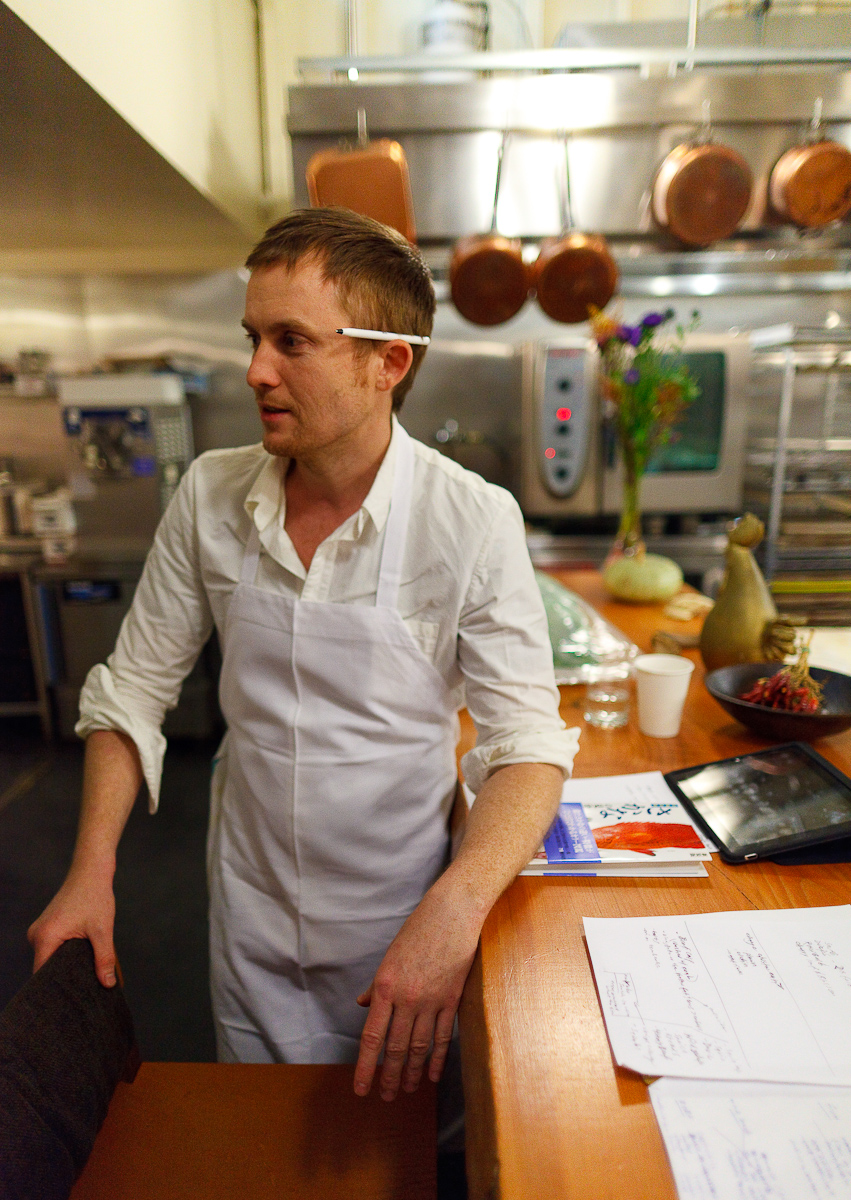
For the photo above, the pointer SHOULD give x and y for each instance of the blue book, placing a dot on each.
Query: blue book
(570, 839)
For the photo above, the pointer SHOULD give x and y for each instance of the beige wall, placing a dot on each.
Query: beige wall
(181, 72)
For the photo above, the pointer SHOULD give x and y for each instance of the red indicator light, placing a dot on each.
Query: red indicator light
(563, 414)
(549, 452)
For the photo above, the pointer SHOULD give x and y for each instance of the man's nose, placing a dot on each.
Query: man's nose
(261, 371)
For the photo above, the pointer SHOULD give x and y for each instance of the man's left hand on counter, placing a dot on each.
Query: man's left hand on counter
(417, 989)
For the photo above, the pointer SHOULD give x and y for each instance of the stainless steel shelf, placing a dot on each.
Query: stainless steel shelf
(539, 62)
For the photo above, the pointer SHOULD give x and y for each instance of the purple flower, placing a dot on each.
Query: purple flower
(631, 376)
(630, 334)
(652, 319)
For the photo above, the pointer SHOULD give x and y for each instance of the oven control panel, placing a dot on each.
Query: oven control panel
(564, 419)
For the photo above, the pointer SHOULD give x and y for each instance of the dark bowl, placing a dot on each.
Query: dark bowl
(728, 683)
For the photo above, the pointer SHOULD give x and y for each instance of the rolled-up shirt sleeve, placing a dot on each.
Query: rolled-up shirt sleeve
(160, 638)
(506, 659)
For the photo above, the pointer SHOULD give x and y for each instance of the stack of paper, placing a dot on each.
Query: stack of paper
(754, 1002)
(621, 825)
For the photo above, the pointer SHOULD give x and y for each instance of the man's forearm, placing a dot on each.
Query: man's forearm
(84, 907)
(112, 777)
(416, 990)
(506, 825)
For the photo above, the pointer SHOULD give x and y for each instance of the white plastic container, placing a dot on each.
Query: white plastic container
(55, 524)
(662, 685)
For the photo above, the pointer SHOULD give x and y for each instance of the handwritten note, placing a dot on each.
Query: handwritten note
(754, 1140)
(746, 996)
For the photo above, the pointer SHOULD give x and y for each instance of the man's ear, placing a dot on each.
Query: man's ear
(396, 359)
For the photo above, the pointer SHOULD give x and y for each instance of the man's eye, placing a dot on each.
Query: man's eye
(253, 339)
(291, 341)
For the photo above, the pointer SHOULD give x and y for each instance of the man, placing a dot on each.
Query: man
(357, 580)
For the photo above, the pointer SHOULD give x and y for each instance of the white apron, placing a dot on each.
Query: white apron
(331, 822)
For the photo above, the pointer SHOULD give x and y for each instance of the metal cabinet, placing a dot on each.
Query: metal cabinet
(80, 608)
(22, 678)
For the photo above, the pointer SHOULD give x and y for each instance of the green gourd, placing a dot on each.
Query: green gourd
(743, 626)
(642, 578)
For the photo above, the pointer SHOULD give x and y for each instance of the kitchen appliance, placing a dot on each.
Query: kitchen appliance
(528, 415)
(80, 607)
(569, 465)
(131, 441)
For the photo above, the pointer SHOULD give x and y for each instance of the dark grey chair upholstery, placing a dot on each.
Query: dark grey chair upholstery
(65, 1042)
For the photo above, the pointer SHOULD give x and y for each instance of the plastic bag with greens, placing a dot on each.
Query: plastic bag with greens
(585, 645)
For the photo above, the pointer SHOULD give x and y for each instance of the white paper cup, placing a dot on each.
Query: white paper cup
(661, 683)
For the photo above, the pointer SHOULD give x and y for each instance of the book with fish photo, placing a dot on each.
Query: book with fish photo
(629, 825)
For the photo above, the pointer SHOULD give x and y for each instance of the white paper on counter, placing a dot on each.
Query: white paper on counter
(755, 1140)
(728, 996)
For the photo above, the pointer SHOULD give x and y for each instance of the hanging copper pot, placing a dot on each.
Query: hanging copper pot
(488, 279)
(575, 273)
(810, 184)
(701, 192)
(371, 180)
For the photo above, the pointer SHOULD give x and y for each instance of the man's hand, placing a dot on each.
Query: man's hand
(416, 992)
(417, 989)
(84, 907)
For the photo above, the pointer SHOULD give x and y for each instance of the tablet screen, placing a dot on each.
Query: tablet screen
(761, 798)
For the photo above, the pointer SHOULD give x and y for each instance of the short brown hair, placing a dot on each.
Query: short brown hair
(381, 278)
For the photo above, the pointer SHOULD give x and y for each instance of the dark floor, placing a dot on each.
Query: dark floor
(160, 887)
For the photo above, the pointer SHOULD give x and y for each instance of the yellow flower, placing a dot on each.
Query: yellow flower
(603, 327)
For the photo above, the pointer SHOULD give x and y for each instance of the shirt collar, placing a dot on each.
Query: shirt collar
(266, 501)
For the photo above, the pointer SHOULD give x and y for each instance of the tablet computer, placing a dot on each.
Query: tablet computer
(760, 804)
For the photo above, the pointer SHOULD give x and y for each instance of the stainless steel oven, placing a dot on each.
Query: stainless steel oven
(528, 415)
(569, 464)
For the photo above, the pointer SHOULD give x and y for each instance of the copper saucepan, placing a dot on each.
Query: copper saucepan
(701, 192)
(575, 273)
(488, 279)
(810, 184)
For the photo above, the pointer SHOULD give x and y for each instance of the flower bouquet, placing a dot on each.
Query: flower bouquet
(647, 387)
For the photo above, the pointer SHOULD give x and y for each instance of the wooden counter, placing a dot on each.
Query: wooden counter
(548, 1112)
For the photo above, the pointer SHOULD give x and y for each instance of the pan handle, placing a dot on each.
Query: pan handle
(565, 201)
(704, 134)
(500, 155)
(815, 132)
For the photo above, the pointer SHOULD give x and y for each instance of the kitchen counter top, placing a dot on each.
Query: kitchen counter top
(548, 1112)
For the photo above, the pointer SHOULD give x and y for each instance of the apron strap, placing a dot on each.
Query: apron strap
(396, 528)
(251, 558)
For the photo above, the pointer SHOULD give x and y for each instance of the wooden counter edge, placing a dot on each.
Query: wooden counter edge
(481, 1153)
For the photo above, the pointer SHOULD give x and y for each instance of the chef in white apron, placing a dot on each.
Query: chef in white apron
(337, 930)
(332, 821)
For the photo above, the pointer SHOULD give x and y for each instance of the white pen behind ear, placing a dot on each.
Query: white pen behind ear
(380, 335)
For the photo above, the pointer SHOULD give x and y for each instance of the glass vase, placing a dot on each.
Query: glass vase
(628, 541)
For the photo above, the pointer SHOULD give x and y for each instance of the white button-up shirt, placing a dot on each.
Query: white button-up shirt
(468, 597)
